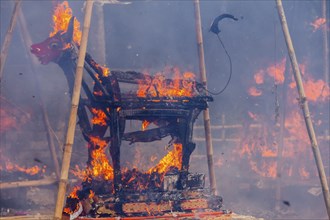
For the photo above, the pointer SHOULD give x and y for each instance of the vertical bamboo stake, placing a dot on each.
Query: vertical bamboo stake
(8, 37)
(304, 106)
(73, 113)
(206, 113)
(325, 41)
(26, 39)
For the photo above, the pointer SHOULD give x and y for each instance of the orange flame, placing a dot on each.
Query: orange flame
(9, 166)
(253, 91)
(318, 23)
(261, 149)
(144, 125)
(277, 71)
(259, 77)
(72, 195)
(61, 18)
(158, 86)
(101, 166)
(172, 159)
(252, 115)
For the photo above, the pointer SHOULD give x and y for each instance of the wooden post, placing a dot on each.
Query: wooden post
(206, 113)
(8, 37)
(27, 42)
(325, 30)
(28, 183)
(73, 113)
(304, 106)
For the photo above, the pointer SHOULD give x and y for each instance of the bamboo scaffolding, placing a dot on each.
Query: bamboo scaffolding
(206, 113)
(28, 183)
(8, 37)
(73, 113)
(27, 42)
(304, 106)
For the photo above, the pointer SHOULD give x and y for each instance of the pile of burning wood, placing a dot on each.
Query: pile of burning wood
(170, 105)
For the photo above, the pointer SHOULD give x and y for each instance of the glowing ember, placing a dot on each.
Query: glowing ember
(61, 18)
(99, 117)
(318, 23)
(105, 71)
(182, 85)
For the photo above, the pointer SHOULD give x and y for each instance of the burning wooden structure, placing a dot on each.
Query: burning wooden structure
(171, 105)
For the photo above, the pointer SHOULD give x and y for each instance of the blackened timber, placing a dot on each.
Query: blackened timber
(97, 82)
(150, 135)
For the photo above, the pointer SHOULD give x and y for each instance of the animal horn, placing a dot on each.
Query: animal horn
(68, 35)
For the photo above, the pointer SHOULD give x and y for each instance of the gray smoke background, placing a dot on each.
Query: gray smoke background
(152, 35)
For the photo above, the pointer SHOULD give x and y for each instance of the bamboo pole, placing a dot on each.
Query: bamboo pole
(304, 106)
(206, 113)
(8, 37)
(29, 183)
(73, 113)
(27, 42)
(326, 41)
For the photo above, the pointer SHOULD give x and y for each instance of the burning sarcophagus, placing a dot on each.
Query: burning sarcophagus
(169, 106)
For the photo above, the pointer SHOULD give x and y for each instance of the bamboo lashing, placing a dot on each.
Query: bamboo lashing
(73, 113)
(304, 106)
(206, 113)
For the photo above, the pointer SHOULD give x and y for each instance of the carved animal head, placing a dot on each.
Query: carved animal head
(53, 47)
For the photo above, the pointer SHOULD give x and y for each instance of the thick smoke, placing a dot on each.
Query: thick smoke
(150, 35)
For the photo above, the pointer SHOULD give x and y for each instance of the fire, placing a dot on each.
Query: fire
(100, 165)
(277, 71)
(99, 117)
(252, 115)
(182, 85)
(9, 166)
(259, 77)
(73, 205)
(144, 125)
(61, 18)
(318, 23)
(105, 71)
(11, 116)
(7, 121)
(253, 91)
(172, 159)
(260, 147)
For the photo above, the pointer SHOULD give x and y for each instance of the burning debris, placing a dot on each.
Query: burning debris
(170, 105)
